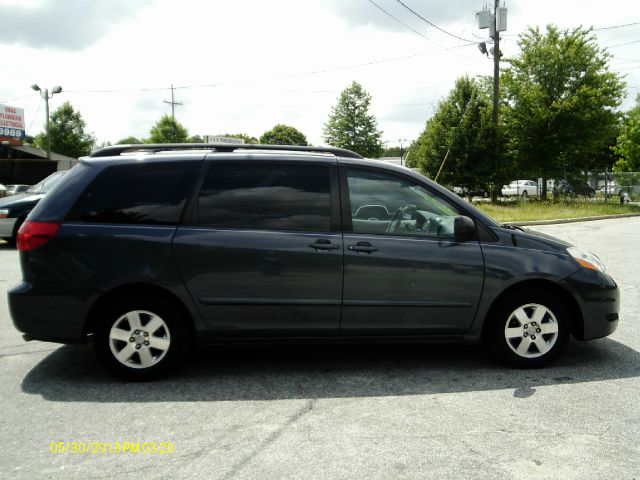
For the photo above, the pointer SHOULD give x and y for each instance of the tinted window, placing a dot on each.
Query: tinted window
(389, 204)
(266, 196)
(150, 193)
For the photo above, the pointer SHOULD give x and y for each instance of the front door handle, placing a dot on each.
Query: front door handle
(324, 244)
(364, 247)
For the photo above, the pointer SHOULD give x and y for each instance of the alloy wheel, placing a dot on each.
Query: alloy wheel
(531, 330)
(139, 339)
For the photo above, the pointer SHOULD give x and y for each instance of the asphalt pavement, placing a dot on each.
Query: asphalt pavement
(375, 412)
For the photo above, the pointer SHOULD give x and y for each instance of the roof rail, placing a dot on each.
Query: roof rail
(115, 150)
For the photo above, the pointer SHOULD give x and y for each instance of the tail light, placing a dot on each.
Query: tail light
(33, 235)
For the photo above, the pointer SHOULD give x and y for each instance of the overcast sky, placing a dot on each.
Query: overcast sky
(247, 65)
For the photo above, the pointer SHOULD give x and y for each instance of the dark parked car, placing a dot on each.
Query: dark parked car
(153, 249)
(15, 208)
(571, 189)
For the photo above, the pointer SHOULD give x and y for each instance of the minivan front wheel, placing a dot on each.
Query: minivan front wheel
(140, 337)
(529, 329)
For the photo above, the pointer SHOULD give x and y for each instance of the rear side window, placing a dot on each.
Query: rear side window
(150, 193)
(273, 196)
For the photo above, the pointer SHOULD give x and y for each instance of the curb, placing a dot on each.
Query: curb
(559, 221)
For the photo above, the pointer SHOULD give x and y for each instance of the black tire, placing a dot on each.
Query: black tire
(536, 311)
(148, 350)
(525, 194)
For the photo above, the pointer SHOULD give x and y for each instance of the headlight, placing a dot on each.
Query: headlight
(4, 212)
(586, 259)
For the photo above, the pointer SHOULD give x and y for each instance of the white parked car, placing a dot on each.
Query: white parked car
(520, 188)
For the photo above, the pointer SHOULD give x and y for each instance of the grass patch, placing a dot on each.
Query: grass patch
(550, 210)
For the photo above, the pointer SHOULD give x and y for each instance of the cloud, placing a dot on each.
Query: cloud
(70, 25)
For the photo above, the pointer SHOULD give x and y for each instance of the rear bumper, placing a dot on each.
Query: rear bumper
(599, 300)
(50, 316)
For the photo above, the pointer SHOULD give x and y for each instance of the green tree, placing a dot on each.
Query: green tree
(351, 125)
(459, 141)
(195, 139)
(561, 100)
(129, 141)
(68, 137)
(283, 135)
(628, 146)
(168, 130)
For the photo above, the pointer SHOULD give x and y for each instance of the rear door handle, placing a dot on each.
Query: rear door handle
(364, 247)
(324, 244)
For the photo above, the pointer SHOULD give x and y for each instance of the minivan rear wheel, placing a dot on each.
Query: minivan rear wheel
(529, 329)
(140, 337)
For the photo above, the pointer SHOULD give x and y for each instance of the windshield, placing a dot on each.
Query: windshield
(48, 183)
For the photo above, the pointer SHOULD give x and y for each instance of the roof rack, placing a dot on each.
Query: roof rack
(115, 150)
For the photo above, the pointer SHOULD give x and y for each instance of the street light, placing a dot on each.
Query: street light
(46, 96)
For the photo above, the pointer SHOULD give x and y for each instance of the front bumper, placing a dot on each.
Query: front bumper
(599, 300)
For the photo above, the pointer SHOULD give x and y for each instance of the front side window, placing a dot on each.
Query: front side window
(266, 196)
(383, 203)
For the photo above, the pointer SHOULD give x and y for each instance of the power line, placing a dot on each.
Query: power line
(414, 30)
(18, 98)
(616, 26)
(122, 90)
(433, 24)
(625, 68)
(34, 117)
(279, 77)
(623, 44)
(404, 24)
(625, 59)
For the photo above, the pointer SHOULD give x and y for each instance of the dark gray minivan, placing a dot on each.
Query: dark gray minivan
(152, 249)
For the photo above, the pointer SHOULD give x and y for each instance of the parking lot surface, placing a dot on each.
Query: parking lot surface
(409, 411)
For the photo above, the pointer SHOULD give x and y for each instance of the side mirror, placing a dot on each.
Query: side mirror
(463, 229)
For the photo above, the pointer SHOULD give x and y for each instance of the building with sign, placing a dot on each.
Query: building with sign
(11, 125)
(24, 164)
(219, 139)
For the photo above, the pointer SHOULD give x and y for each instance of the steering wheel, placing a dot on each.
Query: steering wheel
(398, 216)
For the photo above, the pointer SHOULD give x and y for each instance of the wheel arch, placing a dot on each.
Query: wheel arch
(137, 289)
(567, 299)
(16, 226)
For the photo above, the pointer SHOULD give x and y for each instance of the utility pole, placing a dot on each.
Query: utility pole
(496, 66)
(173, 103)
(496, 22)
